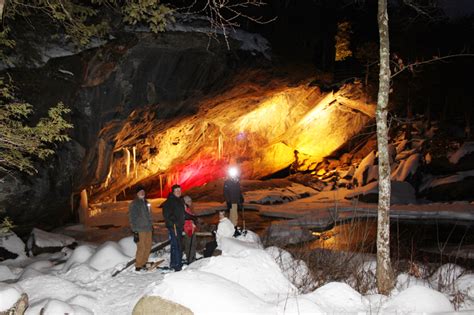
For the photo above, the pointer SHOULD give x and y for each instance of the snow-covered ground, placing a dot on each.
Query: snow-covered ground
(245, 279)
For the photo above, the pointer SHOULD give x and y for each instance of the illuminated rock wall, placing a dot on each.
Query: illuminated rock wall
(256, 126)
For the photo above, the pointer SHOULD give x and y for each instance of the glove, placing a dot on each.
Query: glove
(136, 237)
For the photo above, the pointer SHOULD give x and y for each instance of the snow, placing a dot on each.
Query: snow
(366, 162)
(418, 299)
(80, 255)
(465, 149)
(245, 279)
(278, 195)
(108, 256)
(295, 271)
(431, 182)
(6, 273)
(8, 296)
(253, 269)
(216, 294)
(47, 239)
(249, 41)
(402, 192)
(406, 167)
(447, 274)
(338, 297)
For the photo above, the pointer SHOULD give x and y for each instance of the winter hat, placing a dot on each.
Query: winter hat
(175, 186)
(139, 188)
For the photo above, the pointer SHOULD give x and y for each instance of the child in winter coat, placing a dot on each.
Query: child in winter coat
(190, 228)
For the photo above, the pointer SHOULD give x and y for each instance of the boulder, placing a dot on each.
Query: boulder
(45, 242)
(402, 193)
(286, 234)
(157, 305)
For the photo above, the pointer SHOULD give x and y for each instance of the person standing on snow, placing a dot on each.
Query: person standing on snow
(190, 221)
(173, 213)
(233, 195)
(141, 223)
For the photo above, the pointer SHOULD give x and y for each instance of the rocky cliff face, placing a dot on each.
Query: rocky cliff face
(169, 108)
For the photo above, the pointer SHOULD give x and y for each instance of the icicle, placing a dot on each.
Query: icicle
(109, 174)
(161, 186)
(219, 146)
(134, 150)
(127, 161)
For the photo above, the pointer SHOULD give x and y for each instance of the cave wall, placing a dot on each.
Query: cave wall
(104, 87)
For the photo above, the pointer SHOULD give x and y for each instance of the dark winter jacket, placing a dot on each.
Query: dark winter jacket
(173, 212)
(140, 216)
(232, 193)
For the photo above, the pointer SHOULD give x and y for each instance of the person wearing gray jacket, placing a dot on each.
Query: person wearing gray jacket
(141, 224)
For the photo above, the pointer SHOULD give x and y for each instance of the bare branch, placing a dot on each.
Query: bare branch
(411, 66)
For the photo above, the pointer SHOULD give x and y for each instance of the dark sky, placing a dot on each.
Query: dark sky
(458, 8)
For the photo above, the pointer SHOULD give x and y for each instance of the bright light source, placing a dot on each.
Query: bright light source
(233, 172)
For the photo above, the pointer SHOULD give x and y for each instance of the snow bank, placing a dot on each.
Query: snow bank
(295, 271)
(299, 305)
(253, 269)
(233, 246)
(8, 296)
(107, 256)
(337, 297)
(418, 299)
(207, 293)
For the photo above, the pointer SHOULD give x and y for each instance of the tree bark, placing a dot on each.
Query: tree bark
(2, 6)
(384, 271)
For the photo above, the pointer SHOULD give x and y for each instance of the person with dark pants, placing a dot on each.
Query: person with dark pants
(233, 195)
(141, 224)
(173, 213)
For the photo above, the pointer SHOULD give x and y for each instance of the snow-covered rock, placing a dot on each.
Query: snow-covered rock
(41, 241)
(206, 293)
(406, 168)
(11, 243)
(366, 163)
(107, 256)
(128, 246)
(446, 275)
(338, 298)
(6, 273)
(9, 294)
(405, 281)
(418, 299)
(80, 255)
(465, 149)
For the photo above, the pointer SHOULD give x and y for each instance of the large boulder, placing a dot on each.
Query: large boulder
(158, 305)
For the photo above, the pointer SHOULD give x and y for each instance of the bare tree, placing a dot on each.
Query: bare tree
(384, 271)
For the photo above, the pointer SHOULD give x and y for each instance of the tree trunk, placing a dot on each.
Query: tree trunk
(2, 6)
(384, 272)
